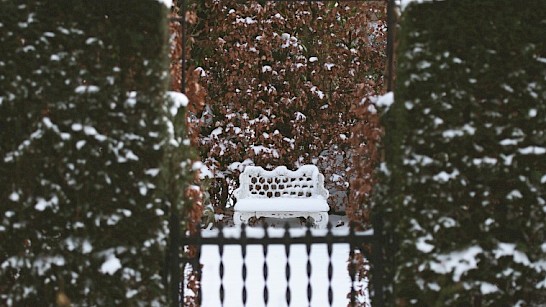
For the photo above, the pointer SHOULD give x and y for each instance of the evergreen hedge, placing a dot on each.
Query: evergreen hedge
(82, 137)
(465, 146)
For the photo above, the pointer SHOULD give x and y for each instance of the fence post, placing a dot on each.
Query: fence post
(197, 267)
(352, 264)
(390, 44)
(183, 10)
(174, 257)
(378, 272)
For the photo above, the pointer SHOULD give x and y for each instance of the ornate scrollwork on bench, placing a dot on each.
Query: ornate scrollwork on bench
(282, 193)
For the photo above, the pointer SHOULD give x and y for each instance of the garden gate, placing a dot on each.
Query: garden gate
(357, 241)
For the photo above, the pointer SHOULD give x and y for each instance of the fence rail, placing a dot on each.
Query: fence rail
(360, 242)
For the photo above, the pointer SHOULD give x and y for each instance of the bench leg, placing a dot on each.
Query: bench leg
(242, 217)
(320, 219)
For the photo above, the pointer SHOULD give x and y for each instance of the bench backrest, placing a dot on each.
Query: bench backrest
(305, 182)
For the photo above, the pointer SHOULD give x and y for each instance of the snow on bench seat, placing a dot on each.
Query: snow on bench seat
(282, 193)
(315, 204)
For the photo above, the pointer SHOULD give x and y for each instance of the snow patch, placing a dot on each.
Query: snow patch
(202, 72)
(507, 159)
(14, 196)
(405, 3)
(542, 284)
(484, 160)
(447, 222)
(318, 92)
(88, 130)
(259, 149)
(443, 176)
(216, 132)
(43, 264)
(204, 171)
(167, 3)
(509, 249)
(423, 64)
(507, 88)
(152, 172)
(386, 100)
(240, 166)
(43, 204)
(532, 150)
(179, 100)
(80, 144)
(142, 189)
(423, 246)
(452, 133)
(514, 194)
(335, 178)
(77, 127)
(87, 247)
(82, 89)
(458, 262)
(508, 142)
(487, 288)
(300, 116)
(246, 20)
(131, 99)
(111, 265)
(90, 40)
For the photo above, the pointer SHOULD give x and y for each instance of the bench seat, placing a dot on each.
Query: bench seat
(315, 204)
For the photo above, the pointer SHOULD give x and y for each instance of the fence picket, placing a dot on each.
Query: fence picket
(287, 269)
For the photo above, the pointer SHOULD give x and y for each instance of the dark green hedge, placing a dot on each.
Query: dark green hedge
(465, 185)
(82, 133)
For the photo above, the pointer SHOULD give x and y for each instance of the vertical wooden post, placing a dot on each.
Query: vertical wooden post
(183, 10)
(174, 227)
(390, 44)
(176, 285)
(378, 273)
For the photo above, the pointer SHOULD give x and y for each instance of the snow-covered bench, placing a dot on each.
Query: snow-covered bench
(281, 193)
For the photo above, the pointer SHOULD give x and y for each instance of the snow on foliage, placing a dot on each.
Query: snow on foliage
(82, 89)
(271, 97)
(464, 193)
(385, 101)
(111, 265)
(179, 100)
(167, 3)
(405, 3)
(81, 144)
(457, 262)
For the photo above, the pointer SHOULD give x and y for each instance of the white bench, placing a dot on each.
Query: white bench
(281, 193)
